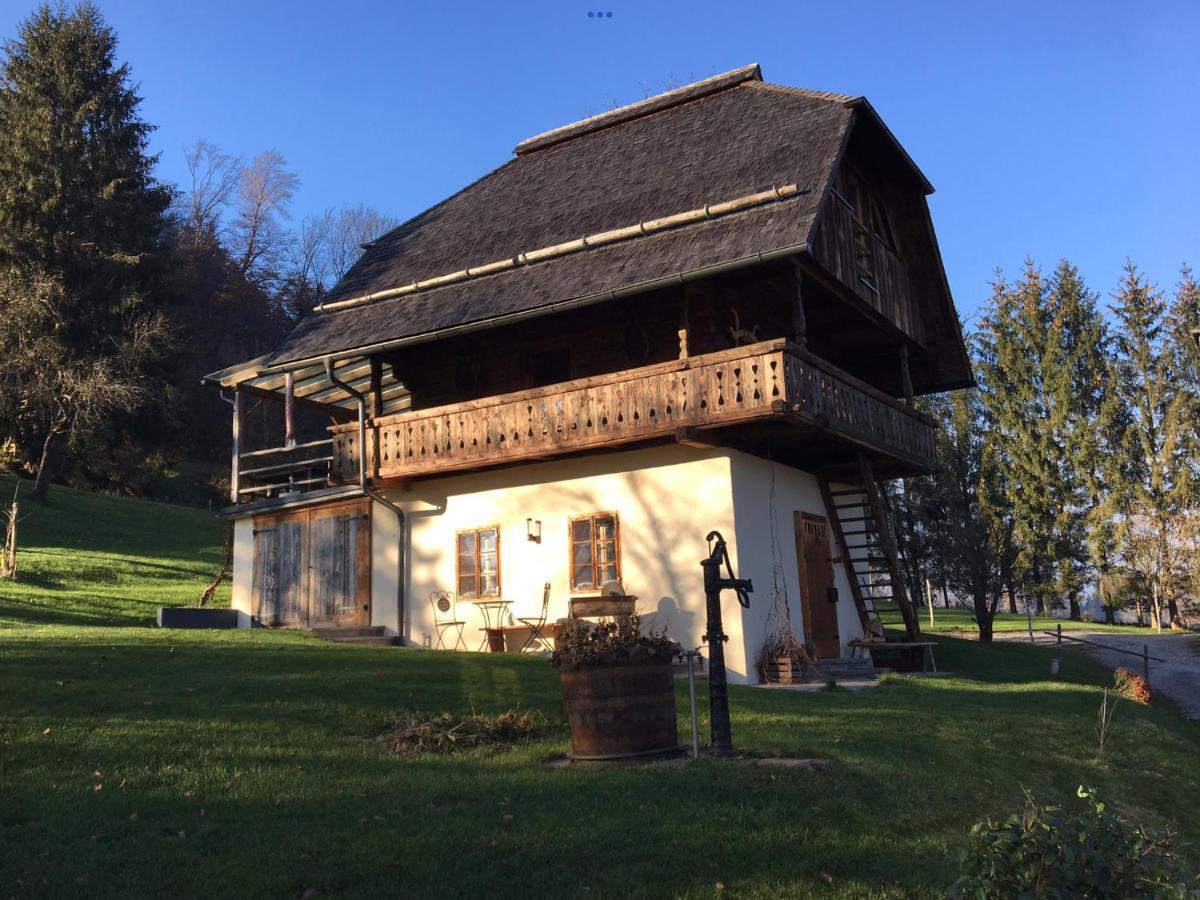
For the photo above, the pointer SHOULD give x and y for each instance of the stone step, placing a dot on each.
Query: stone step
(339, 632)
(381, 640)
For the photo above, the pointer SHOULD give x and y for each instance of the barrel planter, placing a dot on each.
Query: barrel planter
(622, 709)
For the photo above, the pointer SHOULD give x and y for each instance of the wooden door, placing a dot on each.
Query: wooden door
(280, 567)
(341, 566)
(313, 566)
(817, 595)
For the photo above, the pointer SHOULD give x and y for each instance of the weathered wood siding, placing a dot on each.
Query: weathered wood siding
(884, 282)
(312, 566)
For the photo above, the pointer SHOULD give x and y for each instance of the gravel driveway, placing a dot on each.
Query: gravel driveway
(1178, 677)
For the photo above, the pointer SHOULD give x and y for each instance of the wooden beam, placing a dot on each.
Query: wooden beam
(690, 437)
(289, 409)
(340, 413)
(906, 375)
(376, 387)
(799, 320)
(234, 479)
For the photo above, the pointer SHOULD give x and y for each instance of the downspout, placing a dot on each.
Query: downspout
(364, 485)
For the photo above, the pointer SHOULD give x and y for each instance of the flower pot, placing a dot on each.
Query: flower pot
(621, 709)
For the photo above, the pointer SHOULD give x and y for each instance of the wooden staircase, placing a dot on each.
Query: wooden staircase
(369, 635)
(868, 549)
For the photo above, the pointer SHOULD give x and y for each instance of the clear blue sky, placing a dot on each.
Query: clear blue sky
(1049, 129)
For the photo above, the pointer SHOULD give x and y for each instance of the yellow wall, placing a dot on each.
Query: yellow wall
(243, 565)
(666, 498)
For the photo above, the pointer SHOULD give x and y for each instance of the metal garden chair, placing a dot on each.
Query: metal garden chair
(445, 617)
(536, 624)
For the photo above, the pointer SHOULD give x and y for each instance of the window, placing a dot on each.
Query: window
(479, 563)
(595, 551)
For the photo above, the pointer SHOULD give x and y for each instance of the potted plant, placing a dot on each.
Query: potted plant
(618, 689)
(783, 658)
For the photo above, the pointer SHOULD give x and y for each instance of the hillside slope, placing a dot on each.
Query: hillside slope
(88, 559)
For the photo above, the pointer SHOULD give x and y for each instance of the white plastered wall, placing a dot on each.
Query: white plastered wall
(793, 490)
(243, 565)
(667, 500)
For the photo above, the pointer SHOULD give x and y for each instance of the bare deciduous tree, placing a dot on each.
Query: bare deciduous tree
(214, 177)
(265, 192)
(61, 395)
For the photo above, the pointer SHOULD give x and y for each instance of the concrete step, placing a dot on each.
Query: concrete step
(335, 632)
(381, 640)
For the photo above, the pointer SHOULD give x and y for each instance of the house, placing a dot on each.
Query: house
(707, 310)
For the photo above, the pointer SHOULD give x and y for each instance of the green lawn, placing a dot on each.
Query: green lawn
(961, 619)
(87, 559)
(141, 763)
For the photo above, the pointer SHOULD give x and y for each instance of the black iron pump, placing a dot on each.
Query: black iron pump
(714, 583)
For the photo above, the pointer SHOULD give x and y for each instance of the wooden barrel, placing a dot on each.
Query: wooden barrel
(621, 709)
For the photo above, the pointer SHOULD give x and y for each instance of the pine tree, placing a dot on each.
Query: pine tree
(81, 216)
(1161, 435)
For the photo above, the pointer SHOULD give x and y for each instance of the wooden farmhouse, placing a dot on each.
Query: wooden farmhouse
(707, 310)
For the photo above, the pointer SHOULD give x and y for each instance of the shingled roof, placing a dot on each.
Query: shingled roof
(724, 138)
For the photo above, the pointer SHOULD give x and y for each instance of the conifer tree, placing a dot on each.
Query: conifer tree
(1161, 436)
(79, 210)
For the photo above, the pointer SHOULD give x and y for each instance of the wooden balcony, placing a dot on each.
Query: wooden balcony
(772, 384)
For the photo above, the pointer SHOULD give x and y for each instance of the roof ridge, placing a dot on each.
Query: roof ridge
(641, 108)
(831, 96)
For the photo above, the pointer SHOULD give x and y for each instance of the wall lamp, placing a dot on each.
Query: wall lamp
(533, 530)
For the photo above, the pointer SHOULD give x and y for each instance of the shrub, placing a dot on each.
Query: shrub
(1133, 686)
(1046, 852)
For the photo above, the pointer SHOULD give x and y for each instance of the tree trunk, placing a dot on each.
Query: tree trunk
(1110, 616)
(983, 618)
(1172, 611)
(8, 553)
(1075, 612)
(1012, 598)
(41, 484)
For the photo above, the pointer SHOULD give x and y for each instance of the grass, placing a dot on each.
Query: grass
(962, 619)
(136, 762)
(239, 764)
(88, 559)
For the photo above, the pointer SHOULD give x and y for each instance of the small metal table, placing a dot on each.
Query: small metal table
(495, 614)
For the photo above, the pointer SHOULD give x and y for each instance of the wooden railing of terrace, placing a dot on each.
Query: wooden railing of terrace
(860, 260)
(767, 380)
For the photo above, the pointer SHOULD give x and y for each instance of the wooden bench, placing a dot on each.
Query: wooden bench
(601, 607)
(904, 648)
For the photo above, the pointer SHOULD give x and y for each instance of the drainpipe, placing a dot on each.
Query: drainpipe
(364, 485)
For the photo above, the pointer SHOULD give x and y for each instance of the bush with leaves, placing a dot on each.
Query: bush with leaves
(1133, 686)
(1047, 852)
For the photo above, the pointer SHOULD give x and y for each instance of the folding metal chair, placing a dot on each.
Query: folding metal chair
(536, 624)
(445, 617)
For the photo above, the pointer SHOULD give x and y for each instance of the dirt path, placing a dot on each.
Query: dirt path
(1178, 677)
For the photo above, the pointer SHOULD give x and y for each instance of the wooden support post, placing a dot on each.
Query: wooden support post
(799, 320)
(234, 484)
(906, 375)
(890, 552)
(376, 387)
(683, 328)
(289, 409)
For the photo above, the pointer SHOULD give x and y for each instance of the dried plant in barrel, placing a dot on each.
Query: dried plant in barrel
(618, 689)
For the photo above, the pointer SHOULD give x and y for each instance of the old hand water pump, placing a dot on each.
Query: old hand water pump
(714, 583)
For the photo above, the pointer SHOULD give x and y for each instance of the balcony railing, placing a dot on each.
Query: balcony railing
(761, 381)
(277, 471)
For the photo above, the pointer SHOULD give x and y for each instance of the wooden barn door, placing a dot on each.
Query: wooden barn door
(341, 565)
(313, 567)
(280, 570)
(818, 600)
